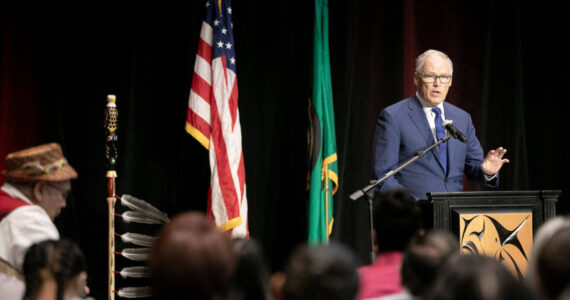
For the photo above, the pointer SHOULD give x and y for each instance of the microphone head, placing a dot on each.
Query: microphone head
(446, 122)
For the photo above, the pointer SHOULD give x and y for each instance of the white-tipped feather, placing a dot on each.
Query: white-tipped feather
(144, 208)
(135, 292)
(136, 254)
(137, 239)
(135, 272)
(136, 217)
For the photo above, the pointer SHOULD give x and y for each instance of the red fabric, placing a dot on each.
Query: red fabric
(410, 49)
(381, 278)
(20, 109)
(8, 204)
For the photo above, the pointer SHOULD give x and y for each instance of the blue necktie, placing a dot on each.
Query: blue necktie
(440, 132)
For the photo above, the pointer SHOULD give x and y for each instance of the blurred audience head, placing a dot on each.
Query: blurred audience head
(425, 255)
(478, 278)
(327, 272)
(56, 270)
(548, 272)
(251, 278)
(191, 259)
(397, 218)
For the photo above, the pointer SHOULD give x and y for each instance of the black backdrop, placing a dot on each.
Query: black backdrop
(59, 61)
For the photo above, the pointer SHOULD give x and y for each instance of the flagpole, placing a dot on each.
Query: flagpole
(111, 242)
(111, 119)
(327, 202)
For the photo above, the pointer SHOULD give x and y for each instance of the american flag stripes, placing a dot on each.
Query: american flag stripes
(213, 118)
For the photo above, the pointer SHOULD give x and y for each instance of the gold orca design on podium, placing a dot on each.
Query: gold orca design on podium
(504, 236)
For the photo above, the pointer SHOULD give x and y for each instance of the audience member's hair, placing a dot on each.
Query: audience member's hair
(322, 272)
(543, 284)
(425, 255)
(191, 259)
(251, 278)
(60, 261)
(476, 277)
(397, 218)
(554, 264)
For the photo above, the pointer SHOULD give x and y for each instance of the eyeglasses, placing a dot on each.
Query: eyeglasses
(430, 78)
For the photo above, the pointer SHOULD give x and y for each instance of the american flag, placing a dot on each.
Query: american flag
(213, 118)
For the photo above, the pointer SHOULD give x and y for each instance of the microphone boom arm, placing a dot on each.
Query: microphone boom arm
(365, 190)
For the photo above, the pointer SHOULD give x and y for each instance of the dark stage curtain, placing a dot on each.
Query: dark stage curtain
(499, 52)
(58, 62)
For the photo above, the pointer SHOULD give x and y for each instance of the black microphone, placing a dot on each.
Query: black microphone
(448, 124)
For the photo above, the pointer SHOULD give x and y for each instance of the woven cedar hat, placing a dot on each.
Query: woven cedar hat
(41, 163)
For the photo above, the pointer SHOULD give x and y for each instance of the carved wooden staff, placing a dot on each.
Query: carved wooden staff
(111, 118)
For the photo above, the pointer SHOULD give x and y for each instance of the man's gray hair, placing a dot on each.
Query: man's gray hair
(422, 58)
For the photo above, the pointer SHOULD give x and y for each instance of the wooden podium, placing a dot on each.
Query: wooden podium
(498, 224)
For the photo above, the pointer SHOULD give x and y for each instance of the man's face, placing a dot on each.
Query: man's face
(53, 195)
(434, 92)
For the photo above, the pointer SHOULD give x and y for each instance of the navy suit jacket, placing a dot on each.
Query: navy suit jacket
(403, 130)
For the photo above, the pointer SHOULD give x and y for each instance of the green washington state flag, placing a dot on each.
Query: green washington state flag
(322, 141)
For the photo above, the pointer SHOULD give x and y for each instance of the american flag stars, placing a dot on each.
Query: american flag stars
(220, 31)
(223, 39)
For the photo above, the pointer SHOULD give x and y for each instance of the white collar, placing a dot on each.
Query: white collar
(428, 106)
(13, 192)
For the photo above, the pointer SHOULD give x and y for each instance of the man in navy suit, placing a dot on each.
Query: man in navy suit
(415, 123)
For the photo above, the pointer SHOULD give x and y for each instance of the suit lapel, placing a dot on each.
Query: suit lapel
(418, 116)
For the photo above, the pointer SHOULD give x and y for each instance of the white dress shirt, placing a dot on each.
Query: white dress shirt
(430, 115)
(24, 226)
